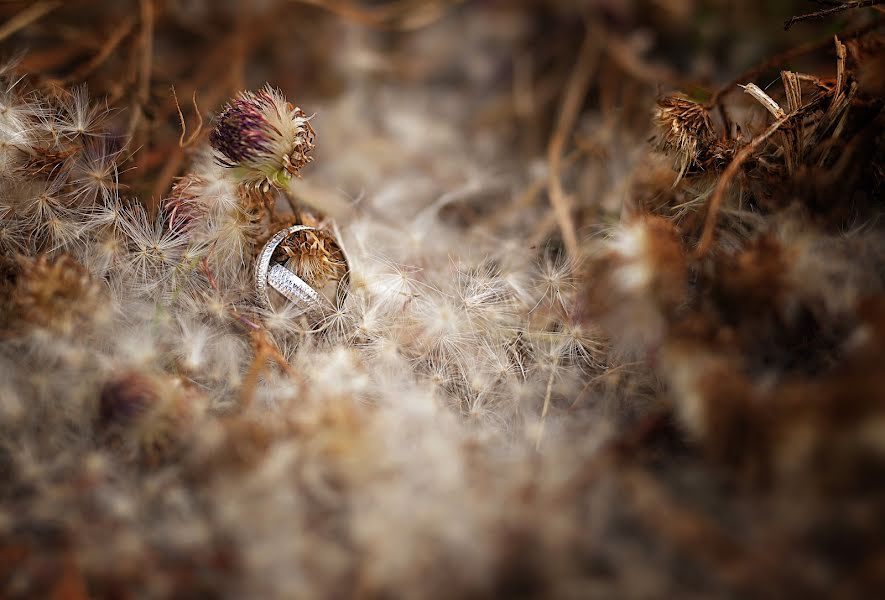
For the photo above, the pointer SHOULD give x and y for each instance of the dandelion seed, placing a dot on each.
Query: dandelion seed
(445, 330)
(388, 284)
(15, 129)
(77, 117)
(231, 238)
(94, 173)
(43, 211)
(61, 230)
(104, 252)
(153, 251)
(283, 322)
(556, 283)
(13, 235)
(192, 345)
(209, 304)
(485, 297)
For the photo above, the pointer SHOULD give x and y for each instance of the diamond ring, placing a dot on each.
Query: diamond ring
(282, 279)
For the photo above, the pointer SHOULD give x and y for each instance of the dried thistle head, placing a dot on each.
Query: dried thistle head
(184, 207)
(314, 255)
(44, 161)
(54, 292)
(685, 129)
(144, 416)
(263, 138)
(124, 399)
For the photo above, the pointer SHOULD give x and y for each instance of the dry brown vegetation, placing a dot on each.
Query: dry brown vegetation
(612, 322)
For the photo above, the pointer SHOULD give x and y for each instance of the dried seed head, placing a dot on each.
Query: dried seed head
(45, 161)
(54, 292)
(184, 208)
(685, 129)
(144, 417)
(263, 138)
(314, 255)
(125, 399)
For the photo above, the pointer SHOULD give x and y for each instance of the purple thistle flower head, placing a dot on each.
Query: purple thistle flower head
(263, 138)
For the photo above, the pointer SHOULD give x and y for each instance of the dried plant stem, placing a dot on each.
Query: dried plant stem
(172, 165)
(820, 14)
(136, 131)
(625, 57)
(264, 351)
(26, 17)
(405, 15)
(724, 181)
(182, 143)
(145, 63)
(117, 36)
(781, 59)
(147, 49)
(547, 395)
(568, 114)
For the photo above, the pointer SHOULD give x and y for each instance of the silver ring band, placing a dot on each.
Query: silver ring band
(294, 288)
(282, 279)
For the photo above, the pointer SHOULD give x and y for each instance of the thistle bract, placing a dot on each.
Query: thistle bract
(263, 138)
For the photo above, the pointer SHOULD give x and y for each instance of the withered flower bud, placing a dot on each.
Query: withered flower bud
(184, 207)
(126, 399)
(144, 417)
(54, 292)
(314, 254)
(684, 129)
(263, 138)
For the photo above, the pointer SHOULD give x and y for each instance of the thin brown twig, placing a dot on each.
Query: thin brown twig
(182, 143)
(146, 42)
(820, 14)
(576, 90)
(136, 132)
(26, 17)
(724, 181)
(240, 50)
(404, 15)
(147, 50)
(547, 396)
(264, 350)
(173, 164)
(782, 58)
(117, 36)
(625, 57)
(224, 81)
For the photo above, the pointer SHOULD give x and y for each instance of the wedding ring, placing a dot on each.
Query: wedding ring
(287, 283)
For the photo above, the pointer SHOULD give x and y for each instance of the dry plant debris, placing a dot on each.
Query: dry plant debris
(609, 299)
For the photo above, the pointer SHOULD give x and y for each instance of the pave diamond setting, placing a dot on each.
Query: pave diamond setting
(293, 287)
(282, 279)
